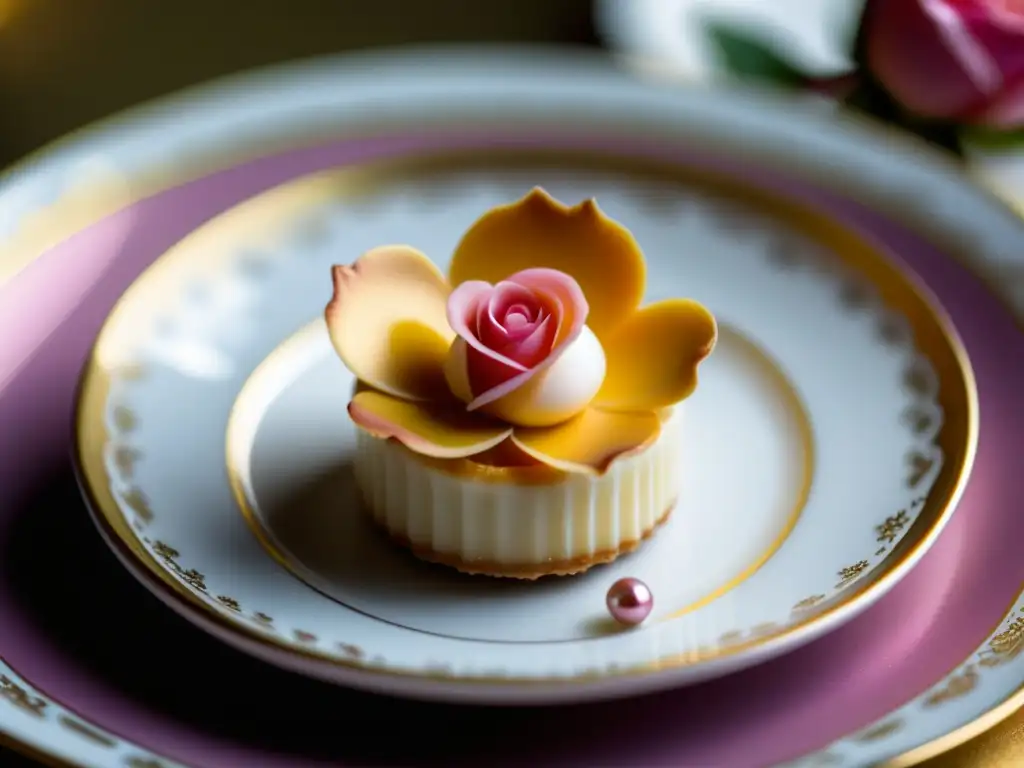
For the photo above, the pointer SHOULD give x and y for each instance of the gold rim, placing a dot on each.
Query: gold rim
(260, 219)
(74, 722)
(25, 749)
(963, 734)
(56, 221)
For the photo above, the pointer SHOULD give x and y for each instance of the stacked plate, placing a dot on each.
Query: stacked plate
(851, 465)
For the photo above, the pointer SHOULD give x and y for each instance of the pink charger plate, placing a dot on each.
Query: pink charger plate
(76, 626)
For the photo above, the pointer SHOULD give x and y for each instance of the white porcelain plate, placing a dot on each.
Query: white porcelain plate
(811, 451)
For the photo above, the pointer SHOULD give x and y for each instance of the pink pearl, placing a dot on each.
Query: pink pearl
(629, 601)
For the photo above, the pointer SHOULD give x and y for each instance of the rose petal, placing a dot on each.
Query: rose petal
(517, 321)
(999, 30)
(590, 442)
(927, 57)
(652, 359)
(531, 350)
(507, 295)
(521, 318)
(572, 307)
(1007, 14)
(490, 385)
(491, 328)
(444, 431)
(559, 391)
(964, 62)
(463, 310)
(485, 374)
(1006, 111)
(573, 311)
(581, 241)
(387, 321)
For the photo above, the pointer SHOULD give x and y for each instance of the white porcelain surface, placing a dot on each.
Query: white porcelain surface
(770, 418)
(63, 735)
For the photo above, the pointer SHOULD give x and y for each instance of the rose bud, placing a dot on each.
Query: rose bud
(955, 60)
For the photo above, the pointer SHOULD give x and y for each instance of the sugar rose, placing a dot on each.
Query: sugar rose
(523, 351)
(536, 341)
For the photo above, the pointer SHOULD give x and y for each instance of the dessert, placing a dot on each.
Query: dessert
(520, 416)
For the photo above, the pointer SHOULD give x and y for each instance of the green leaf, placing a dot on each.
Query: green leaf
(751, 59)
(987, 138)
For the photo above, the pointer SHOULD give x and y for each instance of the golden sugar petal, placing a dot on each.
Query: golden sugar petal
(652, 358)
(388, 322)
(539, 231)
(456, 372)
(443, 430)
(590, 442)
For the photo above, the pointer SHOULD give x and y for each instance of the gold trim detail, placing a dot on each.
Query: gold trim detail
(25, 698)
(1005, 644)
(257, 218)
(851, 573)
(21, 698)
(81, 729)
(808, 602)
(888, 533)
(143, 762)
(881, 731)
(1001, 649)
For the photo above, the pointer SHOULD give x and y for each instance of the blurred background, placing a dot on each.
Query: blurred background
(67, 63)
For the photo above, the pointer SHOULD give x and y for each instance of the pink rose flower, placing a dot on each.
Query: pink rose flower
(534, 348)
(510, 331)
(960, 60)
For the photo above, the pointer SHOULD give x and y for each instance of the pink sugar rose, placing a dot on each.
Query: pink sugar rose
(534, 349)
(514, 329)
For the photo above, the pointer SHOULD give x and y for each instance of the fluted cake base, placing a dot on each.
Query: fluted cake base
(518, 522)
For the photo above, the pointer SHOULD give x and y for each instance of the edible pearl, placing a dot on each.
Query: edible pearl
(629, 601)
